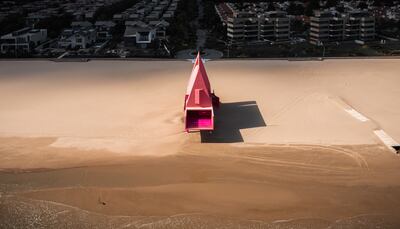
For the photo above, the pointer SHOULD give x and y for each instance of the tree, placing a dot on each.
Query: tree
(377, 3)
(331, 3)
(295, 9)
(311, 6)
(271, 6)
(182, 34)
(11, 23)
(107, 12)
(55, 24)
(362, 5)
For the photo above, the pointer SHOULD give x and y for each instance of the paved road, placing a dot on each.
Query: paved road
(201, 33)
(210, 54)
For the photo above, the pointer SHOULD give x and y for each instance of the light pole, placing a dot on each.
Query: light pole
(16, 49)
(229, 46)
(323, 48)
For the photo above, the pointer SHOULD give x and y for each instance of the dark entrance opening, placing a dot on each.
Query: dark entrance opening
(199, 119)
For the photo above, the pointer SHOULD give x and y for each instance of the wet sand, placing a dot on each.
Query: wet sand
(101, 144)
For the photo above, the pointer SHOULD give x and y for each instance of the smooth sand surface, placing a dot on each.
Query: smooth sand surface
(102, 143)
(124, 106)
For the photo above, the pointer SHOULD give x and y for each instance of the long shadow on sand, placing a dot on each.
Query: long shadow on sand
(230, 118)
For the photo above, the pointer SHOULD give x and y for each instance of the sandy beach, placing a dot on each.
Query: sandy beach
(101, 144)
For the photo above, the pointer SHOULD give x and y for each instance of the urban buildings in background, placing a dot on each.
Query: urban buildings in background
(122, 28)
(142, 24)
(140, 34)
(247, 22)
(254, 22)
(146, 23)
(22, 41)
(331, 26)
(81, 35)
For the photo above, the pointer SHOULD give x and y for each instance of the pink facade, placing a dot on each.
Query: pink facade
(199, 112)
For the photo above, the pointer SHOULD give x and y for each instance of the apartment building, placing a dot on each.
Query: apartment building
(23, 40)
(359, 25)
(326, 26)
(258, 26)
(274, 25)
(331, 26)
(242, 26)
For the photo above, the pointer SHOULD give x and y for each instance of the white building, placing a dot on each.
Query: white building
(139, 34)
(261, 26)
(143, 35)
(79, 38)
(331, 26)
(23, 40)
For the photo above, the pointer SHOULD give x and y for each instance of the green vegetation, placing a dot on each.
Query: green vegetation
(107, 12)
(295, 9)
(210, 17)
(182, 32)
(275, 51)
(214, 26)
(11, 23)
(390, 28)
(306, 50)
(311, 6)
(55, 24)
(299, 28)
